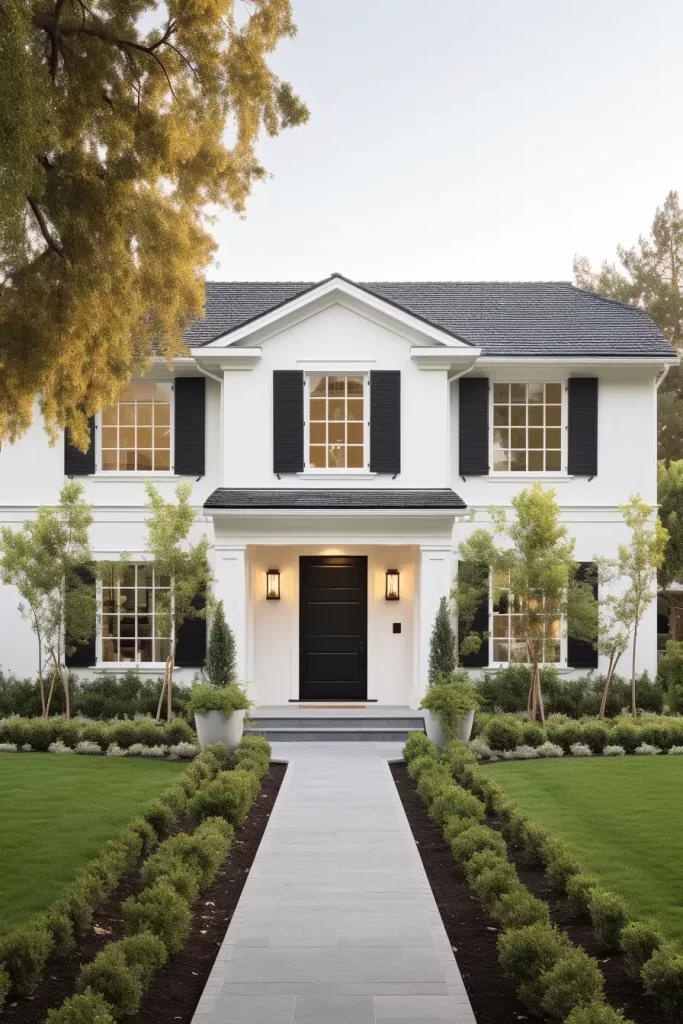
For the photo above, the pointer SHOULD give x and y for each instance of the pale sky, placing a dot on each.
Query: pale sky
(461, 140)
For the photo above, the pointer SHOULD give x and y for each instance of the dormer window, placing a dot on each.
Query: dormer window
(336, 421)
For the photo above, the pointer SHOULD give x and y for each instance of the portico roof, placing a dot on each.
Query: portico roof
(336, 498)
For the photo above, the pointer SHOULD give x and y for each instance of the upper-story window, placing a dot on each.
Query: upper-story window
(336, 421)
(136, 432)
(527, 428)
(132, 619)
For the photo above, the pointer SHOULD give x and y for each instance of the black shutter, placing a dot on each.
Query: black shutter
(385, 421)
(473, 418)
(582, 447)
(288, 421)
(84, 655)
(190, 426)
(76, 463)
(480, 625)
(581, 654)
(190, 651)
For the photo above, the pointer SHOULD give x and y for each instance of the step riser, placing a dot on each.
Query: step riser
(295, 735)
(268, 722)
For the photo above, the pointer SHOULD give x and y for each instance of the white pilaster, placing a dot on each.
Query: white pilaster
(435, 582)
(233, 590)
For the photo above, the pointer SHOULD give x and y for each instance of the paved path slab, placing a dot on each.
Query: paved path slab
(336, 923)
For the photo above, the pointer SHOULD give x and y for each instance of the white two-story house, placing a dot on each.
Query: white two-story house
(338, 437)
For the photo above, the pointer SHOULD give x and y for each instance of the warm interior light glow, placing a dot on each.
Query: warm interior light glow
(273, 585)
(392, 592)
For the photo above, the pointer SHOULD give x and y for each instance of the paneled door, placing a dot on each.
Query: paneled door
(333, 627)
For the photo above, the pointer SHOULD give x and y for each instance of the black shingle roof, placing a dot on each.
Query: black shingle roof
(503, 318)
(358, 498)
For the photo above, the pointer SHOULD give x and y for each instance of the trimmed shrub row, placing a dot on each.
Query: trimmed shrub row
(555, 978)
(39, 733)
(505, 735)
(158, 920)
(25, 951)
(648, 956)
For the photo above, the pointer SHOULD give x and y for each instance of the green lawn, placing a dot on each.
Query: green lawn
(56, 811)
(623, 816)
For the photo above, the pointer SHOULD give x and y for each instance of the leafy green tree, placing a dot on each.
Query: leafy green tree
(670, 499)
(120, 122)
(221, 663)
(43, 559)
(470, 588)
(532, 563)
(185, 564)
(636, 565)
(442, 644)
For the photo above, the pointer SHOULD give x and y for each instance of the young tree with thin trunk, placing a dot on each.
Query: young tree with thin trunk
(185, 564)
(532, 564)
(44, 560)
(636, 564)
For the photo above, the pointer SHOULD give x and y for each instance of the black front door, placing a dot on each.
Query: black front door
(333, 627)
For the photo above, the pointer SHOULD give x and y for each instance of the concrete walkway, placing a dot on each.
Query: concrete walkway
(336, 923)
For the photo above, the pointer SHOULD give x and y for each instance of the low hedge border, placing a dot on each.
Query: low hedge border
(555, 978)
(40, 733)
(507, 737)
(649, 957)
(25, 951)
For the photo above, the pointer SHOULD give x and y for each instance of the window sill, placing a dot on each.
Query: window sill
(126, 666)
(561, 670)
(550, 478)
(336, 474)
(159, 474)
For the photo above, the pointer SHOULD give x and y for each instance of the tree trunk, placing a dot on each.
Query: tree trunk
(49, 696)
(169, 687)
(611, 669)
(64, 676)
(161, 698)
(633, 670)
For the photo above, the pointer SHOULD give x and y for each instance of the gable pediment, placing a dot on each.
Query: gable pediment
(339, 291)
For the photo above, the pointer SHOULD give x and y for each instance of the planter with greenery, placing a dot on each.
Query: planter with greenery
(449, 706)
(218, 713)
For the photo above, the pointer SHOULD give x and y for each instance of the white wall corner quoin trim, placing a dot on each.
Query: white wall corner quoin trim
(338, 327)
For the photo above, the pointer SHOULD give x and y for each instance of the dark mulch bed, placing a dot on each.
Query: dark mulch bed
(473, 936)
(469, 928)
(621, 992)
(176, 989)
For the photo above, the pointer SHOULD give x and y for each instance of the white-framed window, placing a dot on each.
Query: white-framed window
(133, 627)
(508, 643)
(336, 421)
(136, 432)
(527, 431)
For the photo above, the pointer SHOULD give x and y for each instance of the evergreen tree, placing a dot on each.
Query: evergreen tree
(221, 667)
(442, 644)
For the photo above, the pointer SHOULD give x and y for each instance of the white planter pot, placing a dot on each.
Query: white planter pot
(436, 734)
(433, 729)
(465, 729)
(214, 727)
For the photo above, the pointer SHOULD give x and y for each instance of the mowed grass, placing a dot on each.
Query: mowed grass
(56, 812)
(623, 818)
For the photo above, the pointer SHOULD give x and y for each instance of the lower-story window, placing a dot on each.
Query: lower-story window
(509, 641)
(133, 625)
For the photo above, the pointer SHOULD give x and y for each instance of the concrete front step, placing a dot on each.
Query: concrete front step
(374, 721)
(295, 732)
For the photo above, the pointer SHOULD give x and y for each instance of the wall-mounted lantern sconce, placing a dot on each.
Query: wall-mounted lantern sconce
(273, 585)
(392, 592)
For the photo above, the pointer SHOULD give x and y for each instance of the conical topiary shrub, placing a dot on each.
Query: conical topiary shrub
(442, 644)
(220, 667)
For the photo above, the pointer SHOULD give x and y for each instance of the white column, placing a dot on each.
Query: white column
(435, 582)
(232, 589)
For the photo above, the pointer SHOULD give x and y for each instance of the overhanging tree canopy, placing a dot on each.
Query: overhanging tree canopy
(120, 120)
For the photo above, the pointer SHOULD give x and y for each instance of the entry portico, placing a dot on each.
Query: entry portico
(332, 634)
